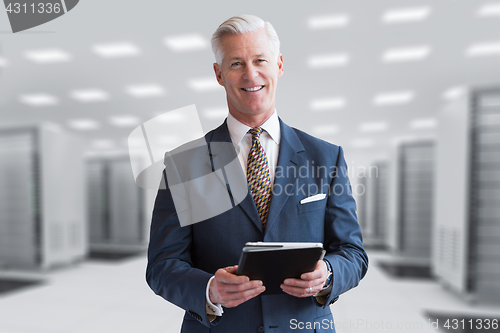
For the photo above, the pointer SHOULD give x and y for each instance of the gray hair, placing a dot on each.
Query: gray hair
(241, 24)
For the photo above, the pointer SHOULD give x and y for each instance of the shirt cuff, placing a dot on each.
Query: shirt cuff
(328, 288)
(212, 309)
(325, 291)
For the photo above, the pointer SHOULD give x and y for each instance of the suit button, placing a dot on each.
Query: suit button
(195, 315)
(334, 300)
(261, 329)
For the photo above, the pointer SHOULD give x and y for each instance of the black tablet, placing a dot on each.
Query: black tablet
(273, 262)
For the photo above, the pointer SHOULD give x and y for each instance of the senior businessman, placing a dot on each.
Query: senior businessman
(296, 190)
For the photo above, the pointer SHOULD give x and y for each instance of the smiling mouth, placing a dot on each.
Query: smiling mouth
(256, 88)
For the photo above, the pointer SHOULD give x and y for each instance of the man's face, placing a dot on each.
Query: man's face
(249, 72)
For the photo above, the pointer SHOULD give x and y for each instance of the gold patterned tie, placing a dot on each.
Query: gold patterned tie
(258, 177)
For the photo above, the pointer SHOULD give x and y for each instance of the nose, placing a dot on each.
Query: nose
(250, 72)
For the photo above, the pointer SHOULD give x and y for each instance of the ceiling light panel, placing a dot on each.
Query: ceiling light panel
(324, 104)
(328, 21)
(204, 84)
(393, 98)
(145, 90)
(116, 50)
(406, 15)
(47, 56)
(373, 127)
(328, 60)
(483, 49)
(186, 43)
(171, 117)
(40, 99)
(84, 124)
(124, 121)
(413, 53)
(89, 95)
(489, 10)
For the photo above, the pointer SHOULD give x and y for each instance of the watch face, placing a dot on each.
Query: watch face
(328, 279)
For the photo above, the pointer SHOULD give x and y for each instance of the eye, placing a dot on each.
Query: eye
(236, 63)
(261, 60)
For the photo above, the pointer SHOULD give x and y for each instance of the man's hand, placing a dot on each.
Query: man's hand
(231, 290)
(309, 284)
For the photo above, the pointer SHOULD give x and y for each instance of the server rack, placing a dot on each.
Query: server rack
(116, 206)
(467, 257)
(377, 205)
(42, 216)
(361, 203)
(412, 199)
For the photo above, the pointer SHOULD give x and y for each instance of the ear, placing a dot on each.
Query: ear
(218, 74)
(280, 65)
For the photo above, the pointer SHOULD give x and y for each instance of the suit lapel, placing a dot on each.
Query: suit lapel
(219, 138)
(221, 151)
(220, 148)
(290, 160)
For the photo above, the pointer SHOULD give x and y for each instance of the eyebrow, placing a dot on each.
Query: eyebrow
(260, 55)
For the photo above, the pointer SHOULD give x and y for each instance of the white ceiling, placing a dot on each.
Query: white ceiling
(365, 129)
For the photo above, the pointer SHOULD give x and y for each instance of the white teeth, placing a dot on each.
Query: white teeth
(254, 88)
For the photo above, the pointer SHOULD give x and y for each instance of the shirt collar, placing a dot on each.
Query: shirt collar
(237, 130)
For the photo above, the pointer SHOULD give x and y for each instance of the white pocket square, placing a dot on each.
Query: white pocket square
(316, 197)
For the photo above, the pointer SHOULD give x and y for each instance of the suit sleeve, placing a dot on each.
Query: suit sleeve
(343, 241)
(170, 272)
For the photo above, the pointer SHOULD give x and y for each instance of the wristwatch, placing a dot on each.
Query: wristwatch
(330, 273)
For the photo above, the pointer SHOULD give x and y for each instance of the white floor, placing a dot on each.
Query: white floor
(95, 297)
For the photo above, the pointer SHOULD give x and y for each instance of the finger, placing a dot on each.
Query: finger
(318, 272)
(242, 295)
(234, 299)
(303, 283)
(222, 275)
(300, 292)
(231, 269)
(234, 288)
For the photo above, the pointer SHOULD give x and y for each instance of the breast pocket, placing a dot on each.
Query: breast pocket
(311, 206)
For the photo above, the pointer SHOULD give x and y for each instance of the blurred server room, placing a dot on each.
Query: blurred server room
(409, 89)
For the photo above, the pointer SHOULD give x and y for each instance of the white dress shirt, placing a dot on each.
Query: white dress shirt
(269, 139)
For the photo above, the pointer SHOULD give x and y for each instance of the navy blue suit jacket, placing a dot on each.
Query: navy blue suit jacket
(181, 260)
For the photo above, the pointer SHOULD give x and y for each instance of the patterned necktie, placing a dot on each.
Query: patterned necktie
(258, 177)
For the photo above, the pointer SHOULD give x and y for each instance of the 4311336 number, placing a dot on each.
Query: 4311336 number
(472, 324)
(40, 8)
